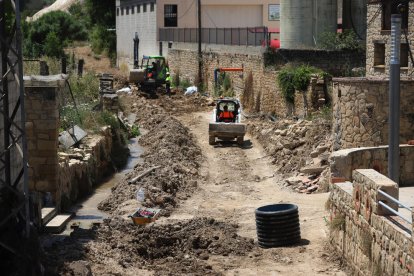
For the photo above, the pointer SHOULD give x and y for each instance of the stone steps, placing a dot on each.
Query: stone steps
(58, 223)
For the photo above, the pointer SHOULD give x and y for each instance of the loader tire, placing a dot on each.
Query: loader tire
(211, 140)
(240, 140)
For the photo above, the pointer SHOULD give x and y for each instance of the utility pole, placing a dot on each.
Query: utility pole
(200, 55)
(394, 101)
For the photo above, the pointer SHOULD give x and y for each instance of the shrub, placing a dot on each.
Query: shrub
(86, 88)
(56, 29)
(347, 40)
(185, 83)
(134, 131)
(285, 81)
(248, 93)
(176, 79)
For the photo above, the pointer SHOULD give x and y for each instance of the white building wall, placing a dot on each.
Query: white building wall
(142, 23)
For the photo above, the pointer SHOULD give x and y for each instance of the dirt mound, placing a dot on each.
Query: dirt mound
(118, 247)
(183, 104)
(171, 249)
(170, 147)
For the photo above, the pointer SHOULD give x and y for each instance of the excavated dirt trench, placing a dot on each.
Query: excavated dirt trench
(208, 196)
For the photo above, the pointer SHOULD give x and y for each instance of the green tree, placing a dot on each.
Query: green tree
(38, 34)
(101, 12)
(102, 15)
(53, 46)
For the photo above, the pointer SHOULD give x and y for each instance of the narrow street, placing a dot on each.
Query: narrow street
(206, 229)
(235, 182)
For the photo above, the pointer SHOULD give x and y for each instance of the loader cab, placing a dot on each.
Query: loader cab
(233, 106)
(155, 68)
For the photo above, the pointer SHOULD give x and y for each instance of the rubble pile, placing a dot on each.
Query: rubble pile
(300, 149)
(183, 104)
(170, 148)
(171, 249)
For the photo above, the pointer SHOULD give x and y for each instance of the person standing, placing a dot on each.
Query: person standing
(168, 83)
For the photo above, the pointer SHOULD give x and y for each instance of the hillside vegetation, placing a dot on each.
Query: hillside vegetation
(88, 21)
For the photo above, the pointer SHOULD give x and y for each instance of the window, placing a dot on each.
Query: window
(170, 16)
(144, 8)
(379, 54)
(127, 10)
(117, 11)
(389, 8)
(132, 9)
(122, 11)
(404, 55)
(138, 8)
(152, 7)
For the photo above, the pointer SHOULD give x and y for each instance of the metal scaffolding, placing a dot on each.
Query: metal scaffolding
(16, 239)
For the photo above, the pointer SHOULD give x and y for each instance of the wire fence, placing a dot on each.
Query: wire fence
(256, 36)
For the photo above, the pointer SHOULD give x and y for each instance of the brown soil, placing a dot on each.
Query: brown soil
(208, 194)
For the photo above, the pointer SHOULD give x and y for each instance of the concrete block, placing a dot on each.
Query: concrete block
(47, 214)
(58, 223)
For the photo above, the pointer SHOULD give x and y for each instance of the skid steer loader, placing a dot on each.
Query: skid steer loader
(228, 127)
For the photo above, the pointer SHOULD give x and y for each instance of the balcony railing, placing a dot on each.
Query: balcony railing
(256, 36)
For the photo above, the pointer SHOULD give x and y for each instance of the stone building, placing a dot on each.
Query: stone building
(135, 19)
(378, 37)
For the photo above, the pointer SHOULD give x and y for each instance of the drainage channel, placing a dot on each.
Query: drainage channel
(87, 212)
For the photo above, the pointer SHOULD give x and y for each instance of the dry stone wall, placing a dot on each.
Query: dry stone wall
(264, 96)
(360, 110)
(81, 169)
(370, 243)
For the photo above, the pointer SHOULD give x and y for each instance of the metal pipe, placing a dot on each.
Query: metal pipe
(394, 101)
(400, 204)
(394, 212)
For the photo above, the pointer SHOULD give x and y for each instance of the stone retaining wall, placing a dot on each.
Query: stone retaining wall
(343, 162)
(360, 110)
(81, 170)
(370, 243)
(265, 96)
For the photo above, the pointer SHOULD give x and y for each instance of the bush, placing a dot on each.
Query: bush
(51, 33)
(176, 79)
(86, 88)
(285, 81)
(291, 79)
(224, 86)
(248, 93)
(134, 131)
(185, 83)
(347, 40)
